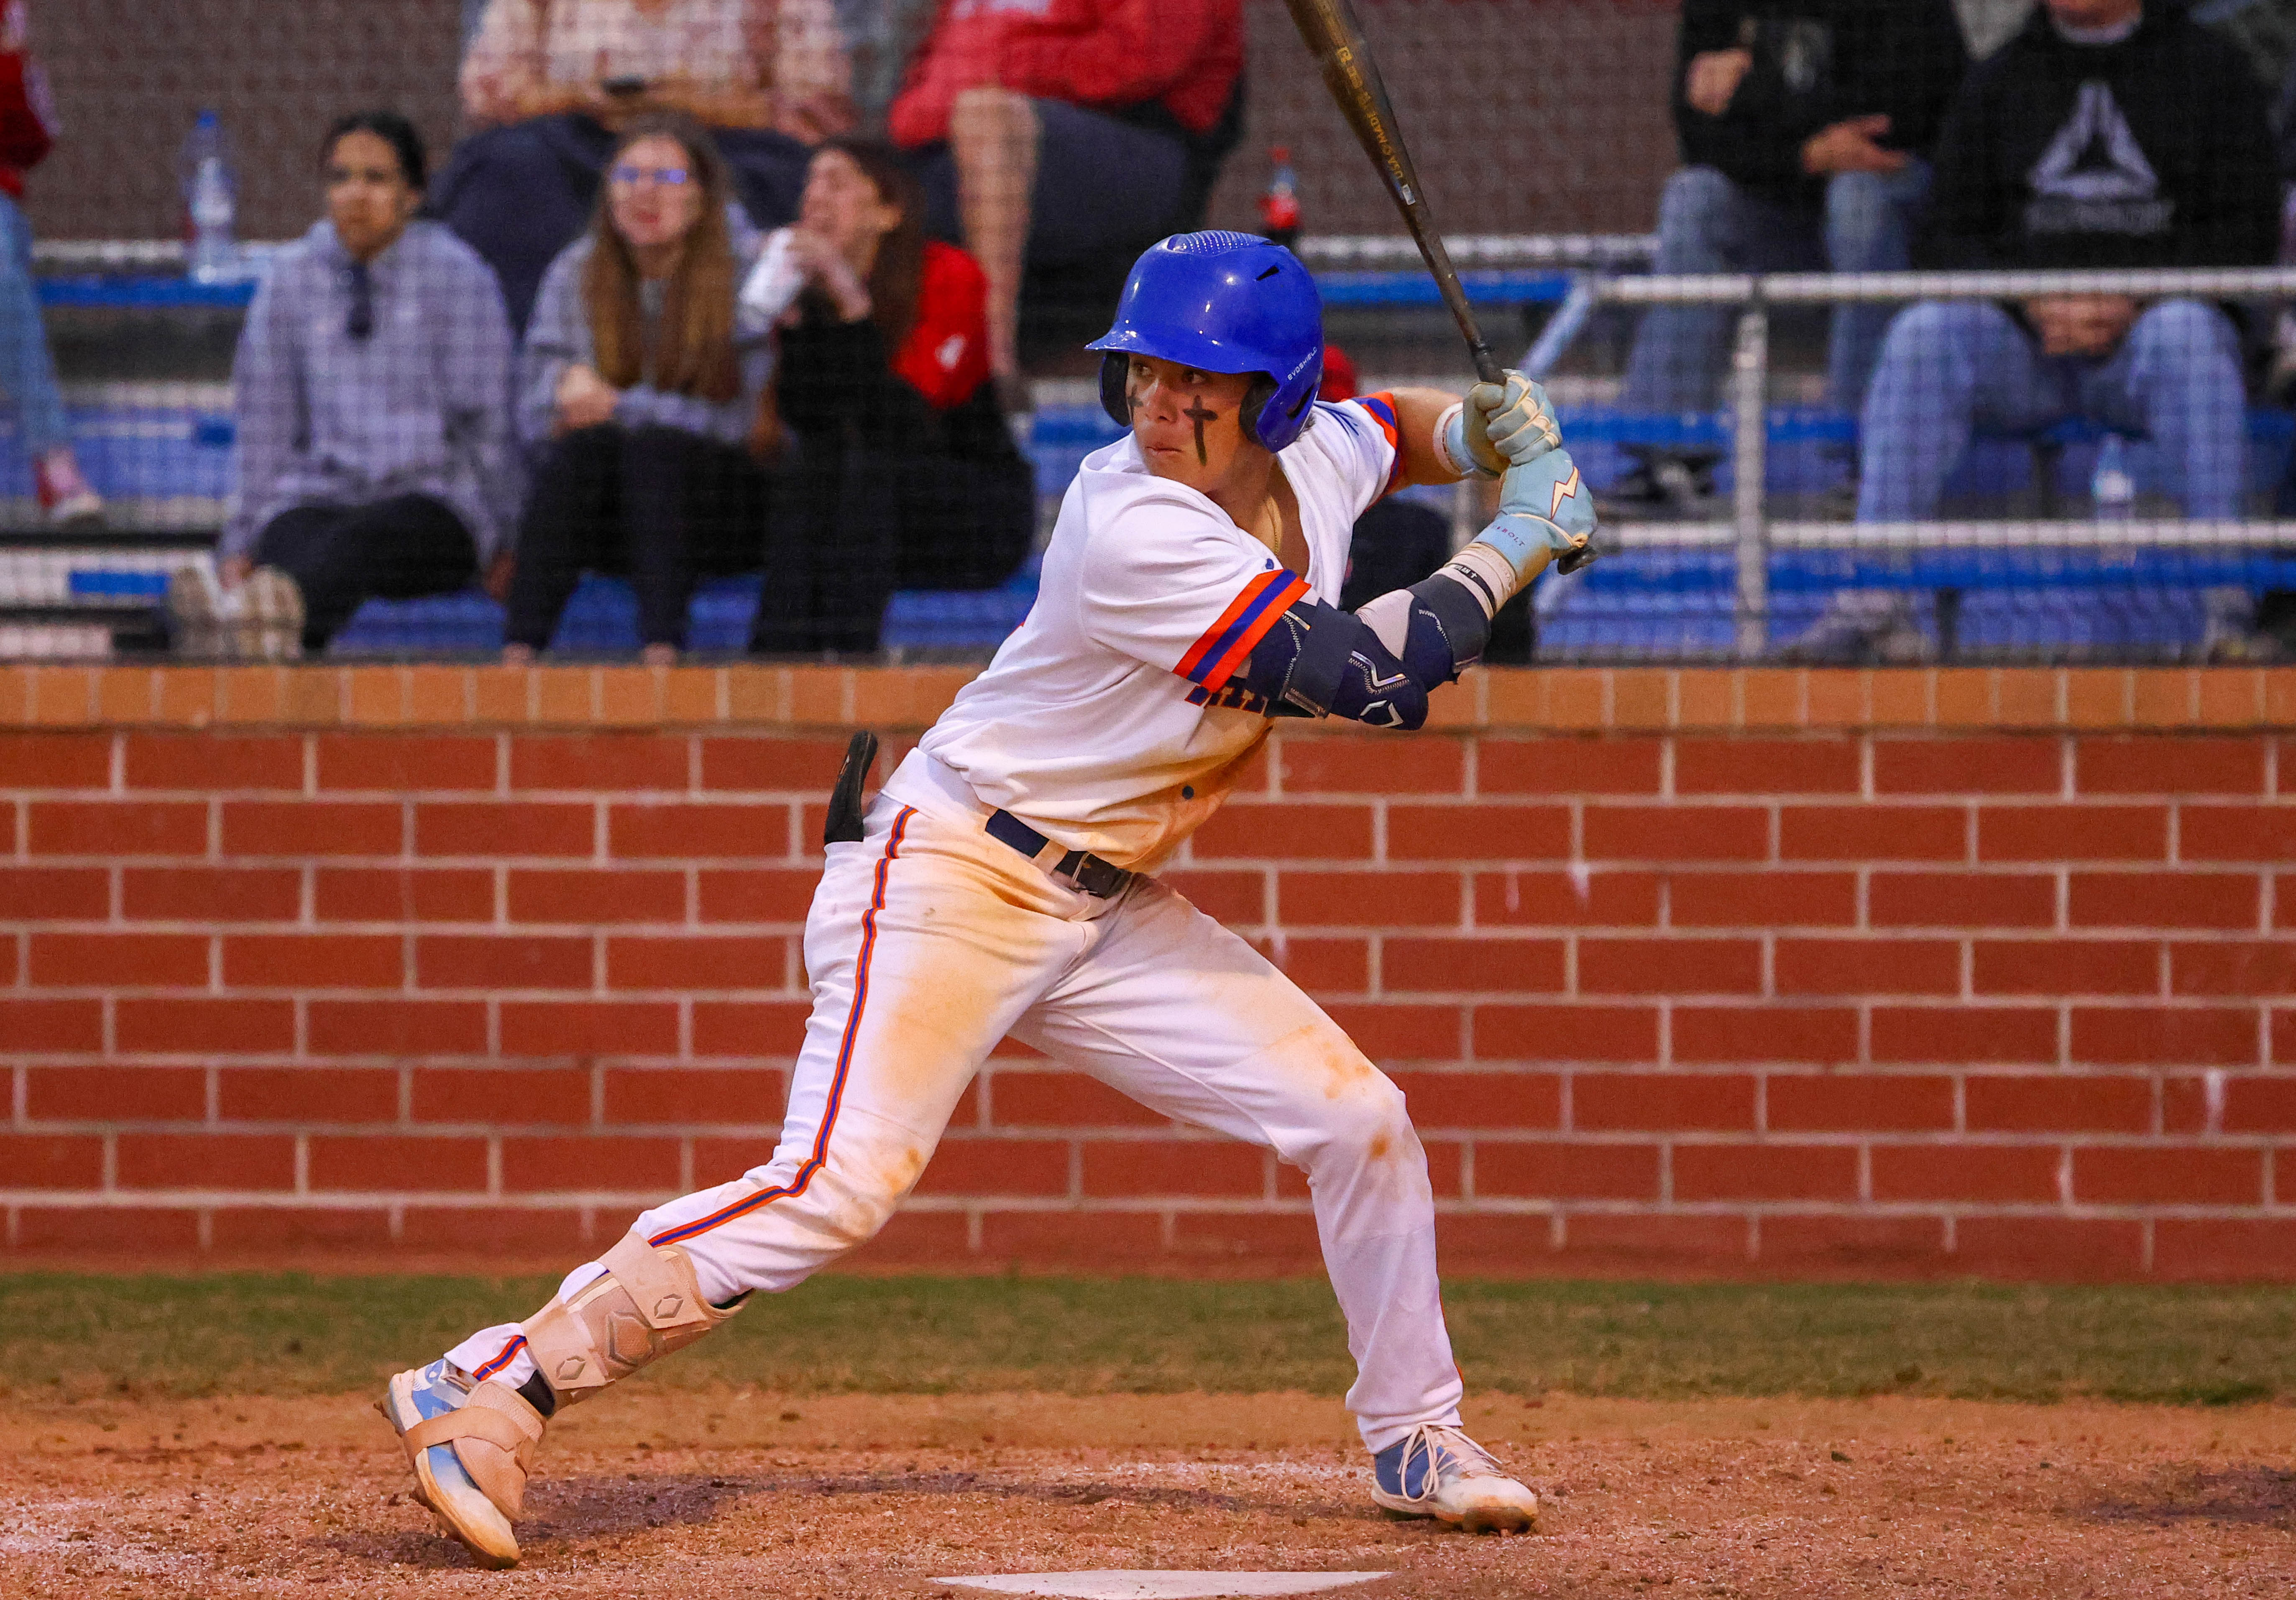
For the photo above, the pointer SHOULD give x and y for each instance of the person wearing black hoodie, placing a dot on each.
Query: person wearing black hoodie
(1804, 128)
(2106, 134)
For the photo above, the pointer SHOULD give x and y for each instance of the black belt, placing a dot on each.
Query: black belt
(1102, 880)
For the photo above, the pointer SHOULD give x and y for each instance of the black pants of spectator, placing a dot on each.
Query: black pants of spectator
(519, 195)
(2276, 609)
(1398, 542)
(339, 555)
(851, 525)
(662, 506)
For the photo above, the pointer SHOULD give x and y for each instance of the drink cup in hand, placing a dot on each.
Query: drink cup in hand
(774, 283)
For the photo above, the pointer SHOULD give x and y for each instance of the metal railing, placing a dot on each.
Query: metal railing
(1753, 536)
(1607, 252)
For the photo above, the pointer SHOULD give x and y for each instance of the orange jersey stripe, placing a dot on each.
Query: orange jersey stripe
(1383, 410)
(1228, 618)
(1240, 648)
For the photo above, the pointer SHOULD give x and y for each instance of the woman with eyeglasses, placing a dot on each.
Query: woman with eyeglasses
(642, 401)
(371, 390)
(904, 475)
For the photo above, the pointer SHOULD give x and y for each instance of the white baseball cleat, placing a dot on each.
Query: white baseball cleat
(1440, 1473)
(471, 1447)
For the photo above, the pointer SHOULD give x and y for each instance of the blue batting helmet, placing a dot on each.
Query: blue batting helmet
(1223, 302)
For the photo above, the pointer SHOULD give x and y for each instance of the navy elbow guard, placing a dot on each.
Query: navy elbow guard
(1437, 626)
(1450, 627)
(1318, 661)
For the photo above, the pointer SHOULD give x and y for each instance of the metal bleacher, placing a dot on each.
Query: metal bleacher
(160, 451)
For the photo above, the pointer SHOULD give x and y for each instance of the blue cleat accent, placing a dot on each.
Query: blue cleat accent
(1439, 1471)
(437, 1388)
(1407, 1480)
(442, 1481)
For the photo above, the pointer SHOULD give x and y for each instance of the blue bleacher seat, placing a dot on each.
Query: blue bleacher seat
(1417, 288)
(107, 292)
(165, 292)
(1646, 602)
(602, 619)
(134, 452)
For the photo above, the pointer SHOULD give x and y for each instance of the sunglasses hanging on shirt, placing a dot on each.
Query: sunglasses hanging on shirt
(360, 323)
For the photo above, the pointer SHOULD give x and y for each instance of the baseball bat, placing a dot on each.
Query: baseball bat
(1329, 29)
(1334, 36)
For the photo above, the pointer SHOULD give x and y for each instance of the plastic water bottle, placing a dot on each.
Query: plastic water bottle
(210, 201)
(1279, 208)
(2113, 487)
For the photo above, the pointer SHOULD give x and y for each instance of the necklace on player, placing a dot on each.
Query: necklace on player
(1268, 527)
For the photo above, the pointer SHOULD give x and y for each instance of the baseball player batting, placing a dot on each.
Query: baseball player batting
(1002, 881)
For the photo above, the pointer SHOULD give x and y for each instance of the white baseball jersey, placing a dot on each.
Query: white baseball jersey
(1107, 720)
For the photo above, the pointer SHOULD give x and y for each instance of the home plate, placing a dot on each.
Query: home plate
(1142, 1584)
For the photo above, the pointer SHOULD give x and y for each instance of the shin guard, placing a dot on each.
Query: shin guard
(646, 1304)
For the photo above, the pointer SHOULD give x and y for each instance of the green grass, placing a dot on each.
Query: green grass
(74, 1336)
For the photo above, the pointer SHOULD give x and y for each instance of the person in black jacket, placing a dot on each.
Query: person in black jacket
(903, 474)
(1804, 126)
(2106, 134)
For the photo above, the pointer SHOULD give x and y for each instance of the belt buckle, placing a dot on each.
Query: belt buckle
(1102, 880)
(1089, 874)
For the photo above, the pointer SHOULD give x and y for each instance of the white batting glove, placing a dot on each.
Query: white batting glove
(1502, 425)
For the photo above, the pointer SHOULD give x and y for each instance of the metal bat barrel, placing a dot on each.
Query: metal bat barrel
(1334, 36)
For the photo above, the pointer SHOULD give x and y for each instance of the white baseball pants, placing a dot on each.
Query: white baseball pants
(927, 941)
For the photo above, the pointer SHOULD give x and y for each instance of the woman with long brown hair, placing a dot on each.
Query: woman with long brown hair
(642, 396)
(904, 475)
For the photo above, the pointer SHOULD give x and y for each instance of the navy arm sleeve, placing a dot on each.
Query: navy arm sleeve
(1318, 661)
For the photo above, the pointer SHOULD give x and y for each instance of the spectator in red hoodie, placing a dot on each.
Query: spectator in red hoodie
(1056, 133)
(28, 375)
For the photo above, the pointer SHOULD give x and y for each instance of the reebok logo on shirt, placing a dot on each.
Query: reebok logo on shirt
(2094, 179)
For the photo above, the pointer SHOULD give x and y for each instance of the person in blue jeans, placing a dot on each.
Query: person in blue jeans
(28, 374)
(1709, 224)
(2106, 134)
(2172, 374)
(1804, 126)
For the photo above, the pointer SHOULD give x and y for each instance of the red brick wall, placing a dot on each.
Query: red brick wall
(1779, 974)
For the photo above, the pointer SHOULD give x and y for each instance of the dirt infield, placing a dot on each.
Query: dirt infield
(682, 1495)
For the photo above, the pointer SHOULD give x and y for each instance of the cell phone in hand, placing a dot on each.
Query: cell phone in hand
(624, 86)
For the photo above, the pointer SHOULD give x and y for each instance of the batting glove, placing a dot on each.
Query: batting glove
(1502, 425)
(1543, 505)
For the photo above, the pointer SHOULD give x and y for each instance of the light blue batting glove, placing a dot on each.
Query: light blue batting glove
(1502, 425)
(1543, 505)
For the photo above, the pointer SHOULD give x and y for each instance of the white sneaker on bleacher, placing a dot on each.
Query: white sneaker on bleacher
(271, 626)
(260, 619)
(195, 611)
